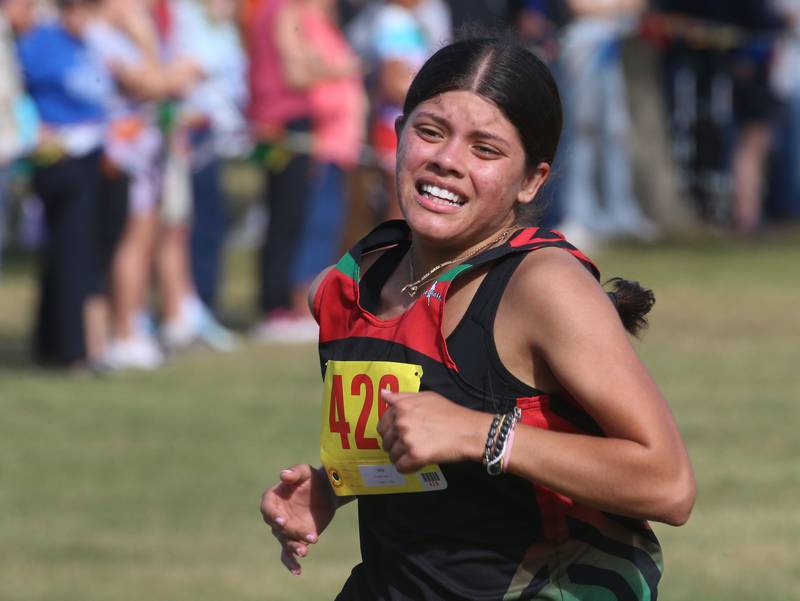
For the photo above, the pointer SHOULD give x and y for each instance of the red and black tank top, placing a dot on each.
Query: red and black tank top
(483, 538)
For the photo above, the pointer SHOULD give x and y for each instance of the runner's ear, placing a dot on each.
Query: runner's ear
(398, 125)
(534, 179)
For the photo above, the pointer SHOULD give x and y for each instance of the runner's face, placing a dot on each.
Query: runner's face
(461, 170)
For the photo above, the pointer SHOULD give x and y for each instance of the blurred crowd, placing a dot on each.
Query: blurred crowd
(118, 119)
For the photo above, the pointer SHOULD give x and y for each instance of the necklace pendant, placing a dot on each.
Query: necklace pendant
(409, 289)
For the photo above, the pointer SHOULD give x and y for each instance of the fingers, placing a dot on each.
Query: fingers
(386, 427)
(268, 513)
(296, 547)
(396, 451)
(270, 506)
(386, 422)
(289, 561)
(405, 464)
(296, 474)
(391, 398)
(403, 459)
(281, 530)
(400, 454)
(290, 478)
(290, 549)
(390, 437)
(389, 440)
(277, 515)
(305, 538)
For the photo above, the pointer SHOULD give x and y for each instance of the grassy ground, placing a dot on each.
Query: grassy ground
(146, 486)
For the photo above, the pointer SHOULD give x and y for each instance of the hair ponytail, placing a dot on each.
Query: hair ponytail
(633, 302)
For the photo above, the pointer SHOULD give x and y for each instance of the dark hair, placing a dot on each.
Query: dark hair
(522, 87)
(507, 75)
(633, 302)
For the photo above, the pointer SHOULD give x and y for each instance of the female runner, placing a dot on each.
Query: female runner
(552, 445)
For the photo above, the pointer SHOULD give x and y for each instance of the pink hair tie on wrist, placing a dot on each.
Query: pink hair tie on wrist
(509, 446)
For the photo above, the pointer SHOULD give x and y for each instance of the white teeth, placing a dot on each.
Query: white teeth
(441, 193)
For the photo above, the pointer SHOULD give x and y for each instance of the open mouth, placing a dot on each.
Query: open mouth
(441, 195)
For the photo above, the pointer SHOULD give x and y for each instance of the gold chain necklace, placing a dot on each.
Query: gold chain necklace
(413, 287)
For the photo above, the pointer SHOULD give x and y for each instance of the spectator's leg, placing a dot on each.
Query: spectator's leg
(622, 209)
(208, 230)
(287, 199)
(4, 181)
(131, 271)
(69, 192)
(582, 206)
(111, 215)
(748, 173)
(322, 233)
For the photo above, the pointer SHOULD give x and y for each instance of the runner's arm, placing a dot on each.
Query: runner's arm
(640, 468)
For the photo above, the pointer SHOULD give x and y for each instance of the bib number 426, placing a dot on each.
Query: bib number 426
(362, 392)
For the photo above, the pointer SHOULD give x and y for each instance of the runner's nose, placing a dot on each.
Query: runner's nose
(449, 160)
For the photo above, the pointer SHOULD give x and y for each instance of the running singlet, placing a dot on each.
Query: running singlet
(480, 538)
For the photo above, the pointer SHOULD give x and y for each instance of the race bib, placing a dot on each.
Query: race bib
(350, 446)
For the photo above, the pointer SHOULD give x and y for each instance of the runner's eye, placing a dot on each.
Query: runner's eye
(428, 132)
(488, 151)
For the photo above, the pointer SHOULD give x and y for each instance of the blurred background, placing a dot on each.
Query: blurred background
(174, 173)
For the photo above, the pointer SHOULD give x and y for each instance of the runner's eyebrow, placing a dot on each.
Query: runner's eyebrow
(477, 133)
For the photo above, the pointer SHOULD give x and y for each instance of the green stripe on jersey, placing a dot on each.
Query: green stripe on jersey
(348, 266)
(453, 273)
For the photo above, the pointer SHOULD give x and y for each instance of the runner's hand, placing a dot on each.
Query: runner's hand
(298, 508)
(424, 427)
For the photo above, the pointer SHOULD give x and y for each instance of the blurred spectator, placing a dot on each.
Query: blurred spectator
(120, 35)
(338, 108)
(656, 180)
(404, 30)
(212, 120)
(394, 43)
(539, 24)
(755, 109)
(492, 14)
(718, 69)
(785, 198)
(69, 86)
(349, 9)
(126, 38)
(698, 94)
(599, 108)
(172, 256)
(436, 20)
(21, 15)
(281, 69)
(131, 144)
(18, 119)
(11, 143)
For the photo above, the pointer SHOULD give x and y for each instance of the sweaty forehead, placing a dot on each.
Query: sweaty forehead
(464, 109)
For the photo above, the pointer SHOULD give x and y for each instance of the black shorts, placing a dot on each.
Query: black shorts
(753, 99)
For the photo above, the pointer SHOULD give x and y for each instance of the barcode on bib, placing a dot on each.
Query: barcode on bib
(431, 479)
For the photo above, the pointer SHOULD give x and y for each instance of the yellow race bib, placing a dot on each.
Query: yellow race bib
(350, 446)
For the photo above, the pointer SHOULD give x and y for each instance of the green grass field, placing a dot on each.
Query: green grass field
(145, 486)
